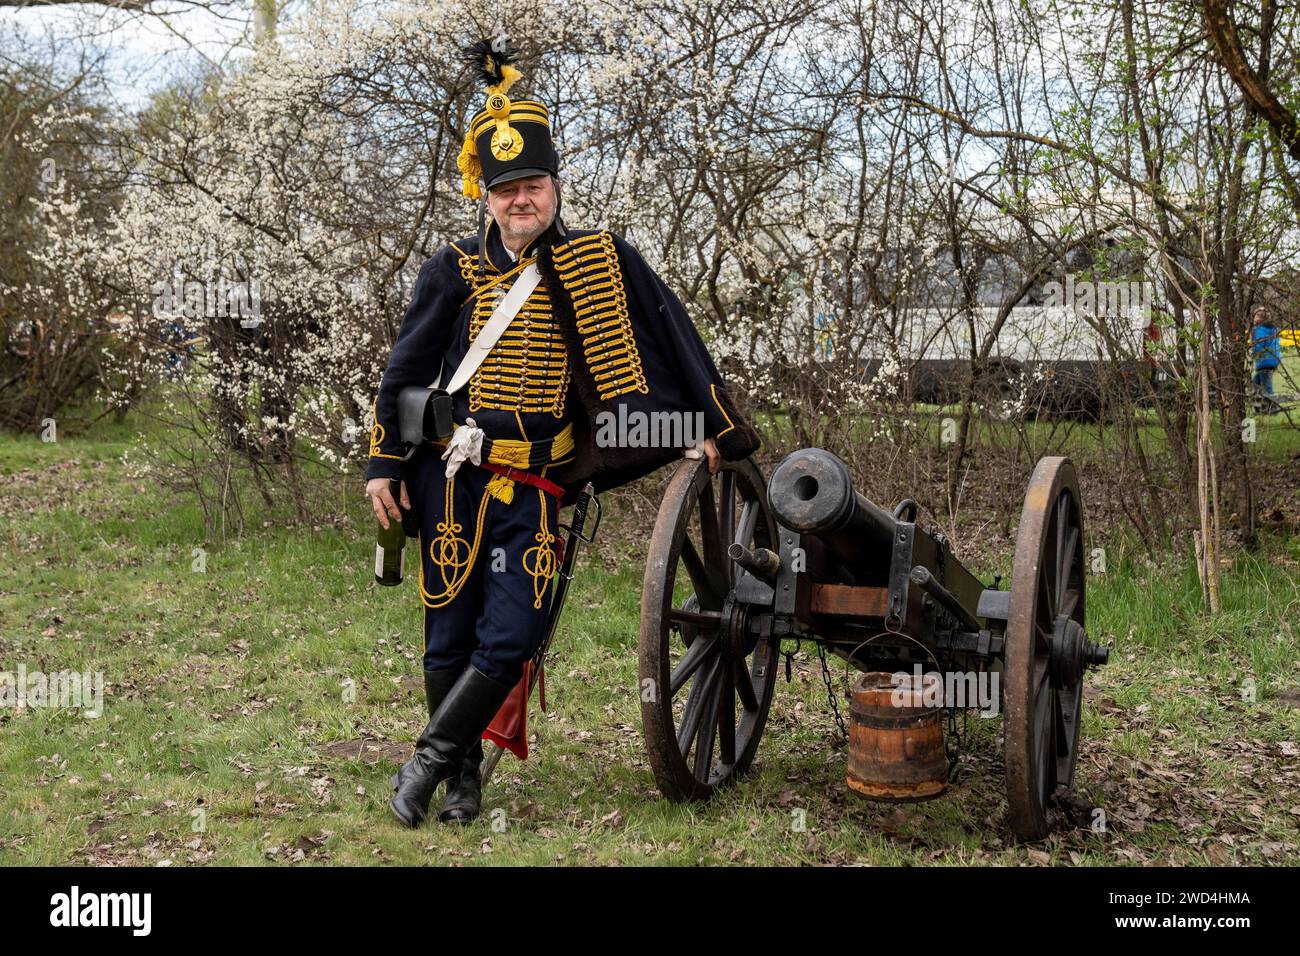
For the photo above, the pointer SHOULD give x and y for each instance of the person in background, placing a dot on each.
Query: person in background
(1265, 349)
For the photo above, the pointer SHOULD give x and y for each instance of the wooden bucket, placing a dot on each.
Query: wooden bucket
(895, 753)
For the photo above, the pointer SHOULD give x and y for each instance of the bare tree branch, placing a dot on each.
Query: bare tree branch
(1260, 100)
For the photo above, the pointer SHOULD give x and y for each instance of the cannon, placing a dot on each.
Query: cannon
(737, 565)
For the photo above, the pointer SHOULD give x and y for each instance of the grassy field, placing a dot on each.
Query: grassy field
(258, 693)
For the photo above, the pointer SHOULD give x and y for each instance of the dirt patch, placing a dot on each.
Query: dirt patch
(367, 750)
(1289, 697)
(413, 684)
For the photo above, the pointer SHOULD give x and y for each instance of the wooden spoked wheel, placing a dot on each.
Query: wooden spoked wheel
(706, 678)
(1042, 694)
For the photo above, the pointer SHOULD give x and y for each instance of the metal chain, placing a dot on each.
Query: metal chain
(830, 690)
(953, 739)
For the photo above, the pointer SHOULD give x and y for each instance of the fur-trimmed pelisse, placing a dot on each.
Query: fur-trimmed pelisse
(612, 467)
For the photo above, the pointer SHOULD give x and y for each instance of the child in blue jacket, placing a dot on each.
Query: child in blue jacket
(1265, 348)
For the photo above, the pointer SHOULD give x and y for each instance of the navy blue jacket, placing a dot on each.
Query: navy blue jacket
(601, 347)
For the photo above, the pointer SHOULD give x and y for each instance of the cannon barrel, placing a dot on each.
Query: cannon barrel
(811, 492)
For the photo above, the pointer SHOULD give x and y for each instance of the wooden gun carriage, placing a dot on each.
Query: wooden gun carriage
(736, 565)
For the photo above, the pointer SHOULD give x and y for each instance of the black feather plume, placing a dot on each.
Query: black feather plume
(488, 56)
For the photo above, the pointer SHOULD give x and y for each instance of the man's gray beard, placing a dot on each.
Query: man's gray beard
(519, 240)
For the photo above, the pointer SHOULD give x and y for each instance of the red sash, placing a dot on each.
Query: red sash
(525, 477)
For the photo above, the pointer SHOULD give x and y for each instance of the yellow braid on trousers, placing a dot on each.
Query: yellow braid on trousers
(543, 556)
(446, 549)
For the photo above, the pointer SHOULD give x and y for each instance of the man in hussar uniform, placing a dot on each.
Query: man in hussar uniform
(599, 339)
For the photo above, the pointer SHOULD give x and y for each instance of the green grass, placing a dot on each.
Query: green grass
(228, 686)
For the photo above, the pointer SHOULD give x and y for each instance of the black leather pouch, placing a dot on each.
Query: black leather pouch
(423, 414)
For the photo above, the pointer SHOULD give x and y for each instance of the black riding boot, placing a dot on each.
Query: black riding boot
(465, 712)
(436, 685)
(464, 793)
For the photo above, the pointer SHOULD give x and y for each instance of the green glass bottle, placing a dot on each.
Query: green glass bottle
(390, 545)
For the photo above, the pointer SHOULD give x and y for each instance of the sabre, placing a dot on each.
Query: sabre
(576, 529)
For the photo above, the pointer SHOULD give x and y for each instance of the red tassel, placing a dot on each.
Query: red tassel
(509, 728)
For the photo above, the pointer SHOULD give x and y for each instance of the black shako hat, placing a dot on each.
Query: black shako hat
(508, 139)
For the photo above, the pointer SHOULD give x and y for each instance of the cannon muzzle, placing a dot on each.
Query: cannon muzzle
(811, 492)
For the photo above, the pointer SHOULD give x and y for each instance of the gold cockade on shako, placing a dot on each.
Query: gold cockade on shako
(506, 141)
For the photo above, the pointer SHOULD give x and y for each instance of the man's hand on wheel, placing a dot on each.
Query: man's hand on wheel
(382, 500)
(711, 452)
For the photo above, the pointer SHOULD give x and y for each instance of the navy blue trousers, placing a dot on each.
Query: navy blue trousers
(486, 566)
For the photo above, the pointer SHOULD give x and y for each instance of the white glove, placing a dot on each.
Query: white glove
(466, 443)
